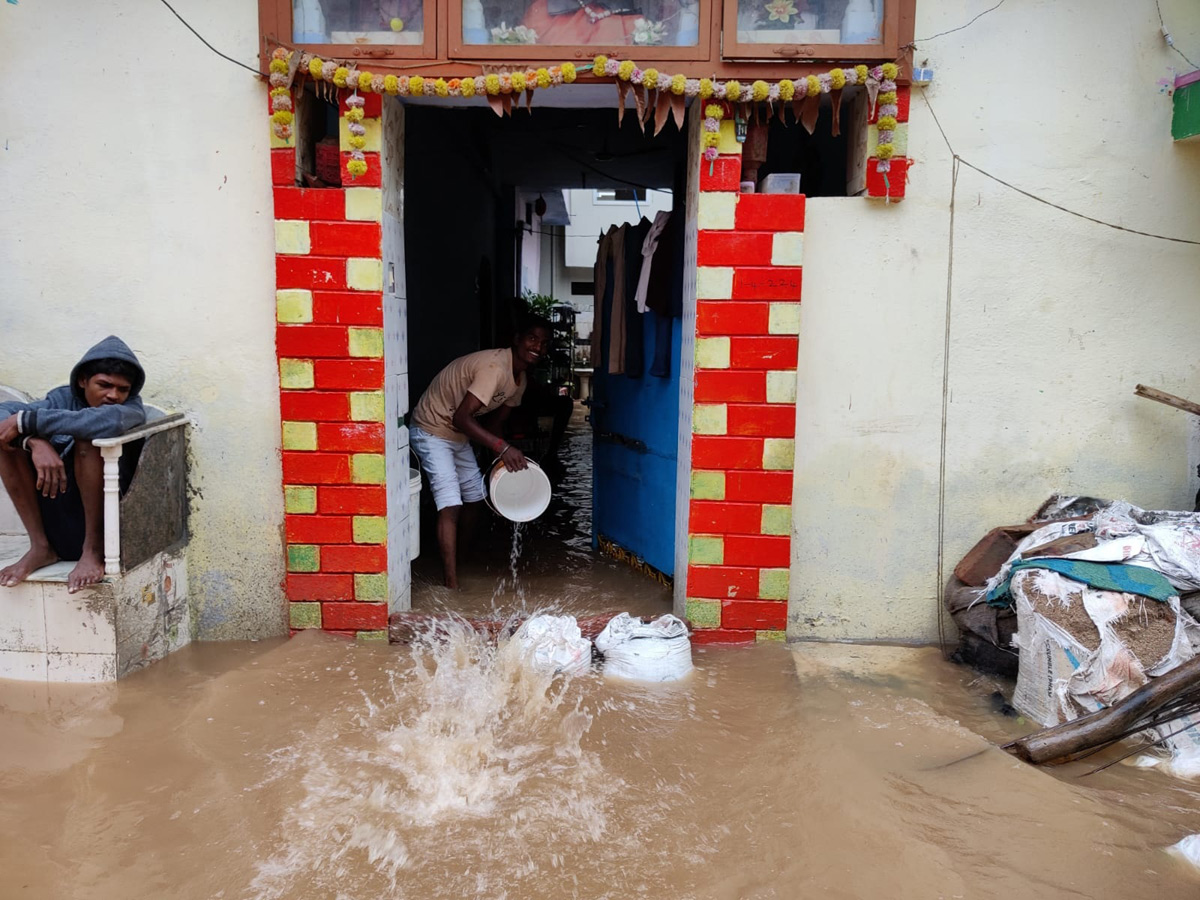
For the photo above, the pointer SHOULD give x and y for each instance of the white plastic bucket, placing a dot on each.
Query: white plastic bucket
(414, 513)
(518, 496)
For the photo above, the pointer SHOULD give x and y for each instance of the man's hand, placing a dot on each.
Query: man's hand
(514, 460)
(51, 473)
(9, 433)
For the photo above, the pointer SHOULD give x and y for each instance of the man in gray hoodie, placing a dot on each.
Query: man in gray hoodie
(52, 471)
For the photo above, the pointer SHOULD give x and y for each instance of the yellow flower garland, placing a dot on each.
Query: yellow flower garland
(542, 78)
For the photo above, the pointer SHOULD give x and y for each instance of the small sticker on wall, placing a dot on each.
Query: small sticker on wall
(391, 278)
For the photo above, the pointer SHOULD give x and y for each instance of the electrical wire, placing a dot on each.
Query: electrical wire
(206, 43)
(1033, 196)
(916, 41)
(1167, 36)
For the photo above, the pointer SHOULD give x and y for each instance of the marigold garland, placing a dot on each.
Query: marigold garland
(880, 78)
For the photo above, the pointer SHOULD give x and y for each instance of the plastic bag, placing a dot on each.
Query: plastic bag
(646, 651)
(553, 644)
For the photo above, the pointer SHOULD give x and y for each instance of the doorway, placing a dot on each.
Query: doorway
(500, 215)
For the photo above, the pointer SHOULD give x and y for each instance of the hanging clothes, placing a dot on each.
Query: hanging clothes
(614, 302)
(635, 322)
(649, 247)
(600, 279)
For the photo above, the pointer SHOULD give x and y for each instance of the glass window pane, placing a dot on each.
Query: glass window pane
(634, 23)
(810, 21)
(357, 21)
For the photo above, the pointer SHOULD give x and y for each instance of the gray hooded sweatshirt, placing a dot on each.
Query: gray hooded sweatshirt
(64, 415)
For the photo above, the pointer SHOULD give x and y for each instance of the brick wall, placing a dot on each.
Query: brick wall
(329, 343)
(748, 284)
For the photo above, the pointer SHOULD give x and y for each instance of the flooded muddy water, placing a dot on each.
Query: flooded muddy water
(557, 569)
(321, 769)
(318, 768)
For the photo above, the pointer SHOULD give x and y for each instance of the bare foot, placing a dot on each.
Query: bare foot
(88, 571)
(34, 559)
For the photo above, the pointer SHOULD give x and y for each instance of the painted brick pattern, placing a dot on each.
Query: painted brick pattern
(750, 270)
(889, 185)
(329, 344)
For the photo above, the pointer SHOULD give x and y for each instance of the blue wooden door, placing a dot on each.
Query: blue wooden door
(635, 423)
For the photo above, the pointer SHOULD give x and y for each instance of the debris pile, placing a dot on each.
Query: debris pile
(1090, 600)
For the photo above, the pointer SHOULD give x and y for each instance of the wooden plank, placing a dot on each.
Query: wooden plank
(1169, 399)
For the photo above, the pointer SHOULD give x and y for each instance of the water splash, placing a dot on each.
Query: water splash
(473, 754)
(513, 577)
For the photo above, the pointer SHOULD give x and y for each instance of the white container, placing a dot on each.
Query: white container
(781, 183)
(414, 513)
(518, 496)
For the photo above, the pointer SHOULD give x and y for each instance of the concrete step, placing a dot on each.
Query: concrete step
(101, 633)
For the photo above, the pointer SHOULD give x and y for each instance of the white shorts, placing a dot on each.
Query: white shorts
(450, 466)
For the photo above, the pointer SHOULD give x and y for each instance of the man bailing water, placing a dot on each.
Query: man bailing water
(449, 416)
(54, 474)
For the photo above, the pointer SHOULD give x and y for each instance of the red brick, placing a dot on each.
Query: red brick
(314, 406)
(889, 184)
(352, 614)
(767, 282)
(720, 517)
(718, 317)
(903, 103)
(759, 419)
(364, 499)
(304, 529)
(723, 636)
(283, 166)
(320, 587)
(309, 203)
(722, 582)
(721, 452)
(301, 467)
(734, 248)
(769, 212)
(726, 174)
(373, 176)
(357, 437)
(372, 103)
(348, 307)
(763, 352)
(764, 551)
(763, 487)
(349, 374)
(308, 272)
(716, 385)
(364, 558)
(346, 238)
(309, 341)
(765, 615)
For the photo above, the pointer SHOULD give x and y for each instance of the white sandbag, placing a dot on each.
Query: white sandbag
(554, 644)
(646, 651)
(1188, 849)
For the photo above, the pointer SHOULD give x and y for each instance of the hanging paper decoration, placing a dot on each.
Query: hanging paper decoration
(658, 95)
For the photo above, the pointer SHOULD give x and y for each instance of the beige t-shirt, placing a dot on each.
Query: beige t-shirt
(487, 374)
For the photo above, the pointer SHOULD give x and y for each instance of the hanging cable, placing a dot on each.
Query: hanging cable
(206, 43)
(916, 41)
(1167, 36)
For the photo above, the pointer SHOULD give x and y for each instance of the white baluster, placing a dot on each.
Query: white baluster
(112, 509)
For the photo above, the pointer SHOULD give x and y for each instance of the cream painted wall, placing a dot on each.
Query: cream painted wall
(136, 200)
(1054, 319)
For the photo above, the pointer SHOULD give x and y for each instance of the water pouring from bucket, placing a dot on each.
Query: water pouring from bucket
(519, 496)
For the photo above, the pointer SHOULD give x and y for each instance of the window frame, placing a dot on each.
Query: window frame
(717, 52)
(459, 49)
(888, 47)
(275, 28)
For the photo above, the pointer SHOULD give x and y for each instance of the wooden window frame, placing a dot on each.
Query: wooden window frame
(275, 29)
(460, 50)
(888, 47)
(717, 53)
